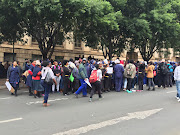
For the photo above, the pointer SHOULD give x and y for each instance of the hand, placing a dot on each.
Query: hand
(85, 79)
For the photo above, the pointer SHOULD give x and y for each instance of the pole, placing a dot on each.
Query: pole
(13, 51)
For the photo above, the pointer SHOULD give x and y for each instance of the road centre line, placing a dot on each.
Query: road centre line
(5, 98)
(40, 102)
(171, 92)
(85, 129)
(10, 120)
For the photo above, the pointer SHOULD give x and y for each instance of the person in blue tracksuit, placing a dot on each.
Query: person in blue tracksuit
(13, 76)
(118, 73)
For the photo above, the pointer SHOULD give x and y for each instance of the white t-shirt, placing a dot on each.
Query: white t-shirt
(46, 70)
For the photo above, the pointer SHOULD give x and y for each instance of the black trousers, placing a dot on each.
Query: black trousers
(169, 80)
(96, 87)
(66, 83)
(107, 83)
(129, 83)
(140, 81)
(162, 80)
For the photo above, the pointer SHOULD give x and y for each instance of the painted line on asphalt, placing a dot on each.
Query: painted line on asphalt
(11, 120)
(40, 102)
(25, 91)
(5, 98)
(85, 129)
(171, 92)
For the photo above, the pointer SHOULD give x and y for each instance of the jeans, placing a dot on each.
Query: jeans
(178, 88)
(47, 89)
(151, 82)
(96, 86)
(125, 83)
(58, 83)
(82, 88)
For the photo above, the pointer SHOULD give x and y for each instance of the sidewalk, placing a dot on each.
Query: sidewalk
(3, 86)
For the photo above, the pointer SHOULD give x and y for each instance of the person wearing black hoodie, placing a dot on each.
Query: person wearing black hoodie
(141, 74)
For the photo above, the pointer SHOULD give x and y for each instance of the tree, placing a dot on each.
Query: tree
(151, 27)
(10, 18)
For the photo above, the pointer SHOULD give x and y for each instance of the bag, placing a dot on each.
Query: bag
(93, 78)
(71, 78)
(48, 79)
(154, 73)
(170, 67)
(129, 71)
(164, 69)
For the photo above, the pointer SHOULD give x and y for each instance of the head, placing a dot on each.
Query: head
(84, 60)
(15, 63)
(131, 61)
(34, 62)
(77, 65)
(97, 66)
(65, 63)
(38, 63)
(55, 63)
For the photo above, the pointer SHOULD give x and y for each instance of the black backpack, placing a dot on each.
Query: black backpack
(164, 69)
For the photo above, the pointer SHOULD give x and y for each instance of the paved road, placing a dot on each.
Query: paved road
(140, 113)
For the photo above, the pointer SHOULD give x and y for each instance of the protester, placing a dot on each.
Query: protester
(150, 75)
(130, 73)
(36, 80)
(163, 69)
(170, 74)
(141, 74)
(177, 79)
(118, 72)
(82, 77)
(57, 73)
(29, 77)
(66, 75)
(96, 86)
(47, 73)
(75, 73)
(13, 76)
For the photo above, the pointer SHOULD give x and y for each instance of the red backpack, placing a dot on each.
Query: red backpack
(93, 78)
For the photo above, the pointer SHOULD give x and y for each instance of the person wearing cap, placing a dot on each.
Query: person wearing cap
(36, 80)
(82, 77)
(118, 74)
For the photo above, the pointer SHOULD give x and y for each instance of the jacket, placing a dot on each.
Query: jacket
(150, 70)
(82, 72)
(177, 74)
(9, 72)
(133, 70)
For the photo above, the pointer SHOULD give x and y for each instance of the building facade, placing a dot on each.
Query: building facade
(67, 50)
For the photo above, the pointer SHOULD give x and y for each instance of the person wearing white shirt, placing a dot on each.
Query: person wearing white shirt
(97, 85)
(177, 79)
(47, 87)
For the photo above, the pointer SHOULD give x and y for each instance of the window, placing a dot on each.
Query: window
(77, 42)
(36, 57)
(9, 57)
(59, 58)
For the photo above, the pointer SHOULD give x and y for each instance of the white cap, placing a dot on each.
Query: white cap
(117, 61)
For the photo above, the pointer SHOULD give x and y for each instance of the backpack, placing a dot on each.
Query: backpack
(164, 69)
(129, 71)
(170, 67)
(93, 78)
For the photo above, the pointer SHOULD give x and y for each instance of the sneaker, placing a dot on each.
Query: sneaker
(128, 91)
(90, 99)
(133, 90)
(179, 100)
(177, 97)
(76, 95)
(153, 89)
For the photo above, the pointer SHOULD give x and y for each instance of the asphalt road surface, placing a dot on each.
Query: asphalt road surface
(141, 113)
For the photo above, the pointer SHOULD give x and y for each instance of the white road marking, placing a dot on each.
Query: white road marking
(85, 129)
(11, 120)
(171, 91)
(40, 102)
(25, 91)
(5, 98)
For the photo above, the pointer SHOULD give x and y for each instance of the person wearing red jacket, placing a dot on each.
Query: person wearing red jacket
(36, 80)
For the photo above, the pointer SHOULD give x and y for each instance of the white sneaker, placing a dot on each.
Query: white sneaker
(179, 100)
(133, 90)
(90, 99)
(177, 97)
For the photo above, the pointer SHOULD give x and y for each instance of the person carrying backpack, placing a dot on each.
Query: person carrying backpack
(130, 73)
(170, 74)
(95, 80)
(163, 74)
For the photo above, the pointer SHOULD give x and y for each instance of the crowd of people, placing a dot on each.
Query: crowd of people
(91, 76)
